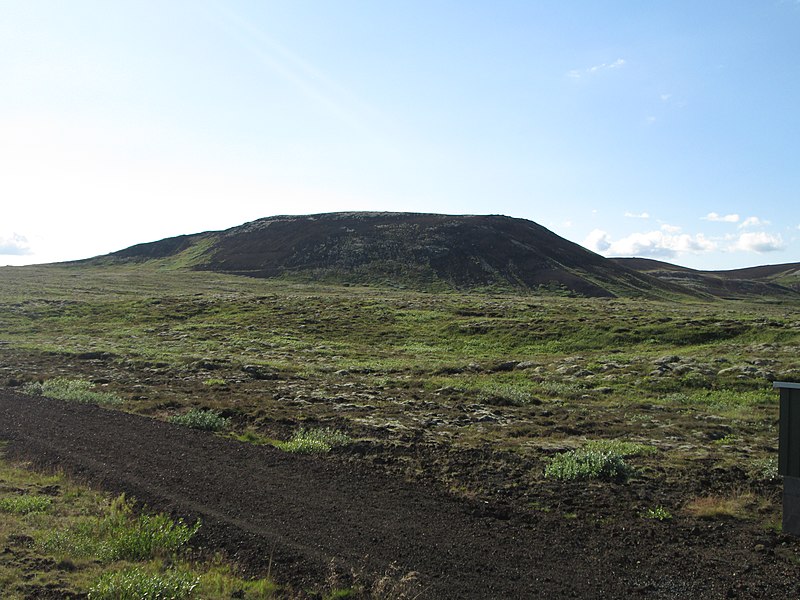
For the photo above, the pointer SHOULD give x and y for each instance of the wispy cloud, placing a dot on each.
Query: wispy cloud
(293, 68)
(753, 222)
(670, 228)
(596, 69)
(14, 245)
(758, 241)
(642, 215)
(717, 218)
(653, 244)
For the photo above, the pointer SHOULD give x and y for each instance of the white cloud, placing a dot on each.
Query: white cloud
(712, 216)
(643, 215)
(594, 70)
(665, 97)
(654, 244)
(753, 222)
(14, 245)
(758, 241)
(598, 240)
(670, 228)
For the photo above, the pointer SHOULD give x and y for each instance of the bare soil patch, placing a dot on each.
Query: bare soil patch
(310, 516)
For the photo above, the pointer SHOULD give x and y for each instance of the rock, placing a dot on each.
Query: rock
(260, 372)
(666, 360)
(504, 366)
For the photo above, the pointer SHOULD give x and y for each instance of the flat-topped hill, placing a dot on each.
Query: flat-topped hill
(407, 249)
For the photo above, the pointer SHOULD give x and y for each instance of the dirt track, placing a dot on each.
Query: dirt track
(305, 512)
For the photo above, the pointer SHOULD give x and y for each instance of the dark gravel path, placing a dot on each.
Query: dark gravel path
(304, 512)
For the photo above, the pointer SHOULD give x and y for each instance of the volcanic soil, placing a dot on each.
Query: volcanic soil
(310, 518)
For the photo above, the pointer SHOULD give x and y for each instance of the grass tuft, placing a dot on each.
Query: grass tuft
(25, 504)
(75, 390)
(136, 583)
(121, 536)
(207, 420)
(311, 441)
(720, 507)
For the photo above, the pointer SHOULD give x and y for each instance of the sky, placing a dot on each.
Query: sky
(668, 130)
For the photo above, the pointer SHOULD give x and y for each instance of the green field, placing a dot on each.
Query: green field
(476, 392)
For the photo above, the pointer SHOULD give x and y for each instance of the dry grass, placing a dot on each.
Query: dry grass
(735, 506)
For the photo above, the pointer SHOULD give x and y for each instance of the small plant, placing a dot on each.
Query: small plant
(207, 420)
(765, 469)
(138, 584)
(25, 504)
(214, 382)
(659, 513)
(602, 459)
(75, 390)
(310, 441)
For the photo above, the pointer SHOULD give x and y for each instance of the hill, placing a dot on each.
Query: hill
(768, 281)
(425, 251)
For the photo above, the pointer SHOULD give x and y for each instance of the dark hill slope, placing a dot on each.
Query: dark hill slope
(767, 281)
(418, 250)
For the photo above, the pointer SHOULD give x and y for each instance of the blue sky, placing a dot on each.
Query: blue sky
(661, 129)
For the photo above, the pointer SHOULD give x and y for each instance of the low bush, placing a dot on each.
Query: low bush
(585, 464)
(207, 420)
(75, 390)
(596, 459)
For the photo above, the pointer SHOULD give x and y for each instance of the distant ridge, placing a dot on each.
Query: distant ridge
(768, 280)
(438, 252)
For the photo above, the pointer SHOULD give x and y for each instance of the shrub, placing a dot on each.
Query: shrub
(207, 420)
(24, 504)
(596, 459)
(309, 441)
(585, 464)
(138, 584)
(75, 390)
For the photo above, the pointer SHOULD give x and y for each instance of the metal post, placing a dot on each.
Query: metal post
(789, 454)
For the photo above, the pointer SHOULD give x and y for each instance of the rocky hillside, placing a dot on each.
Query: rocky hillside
(426, 251)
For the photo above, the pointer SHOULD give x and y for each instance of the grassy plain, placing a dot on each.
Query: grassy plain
(473, 392)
